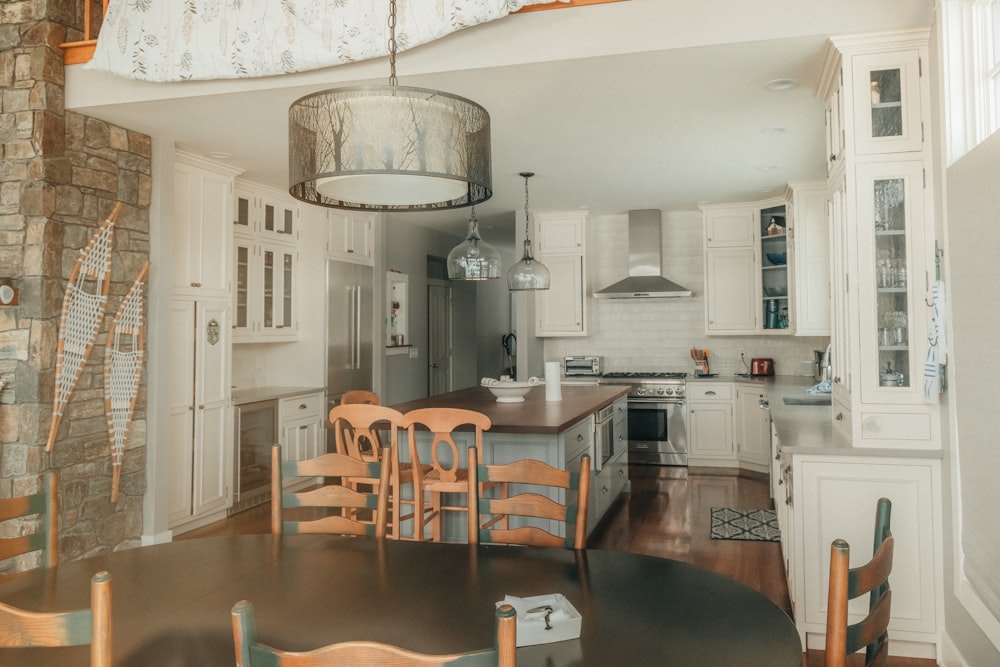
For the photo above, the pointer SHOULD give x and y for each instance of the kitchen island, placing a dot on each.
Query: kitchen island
(556, 432)
(534, 415)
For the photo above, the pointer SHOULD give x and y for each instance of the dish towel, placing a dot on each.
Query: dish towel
(824, 387)
(937, 347)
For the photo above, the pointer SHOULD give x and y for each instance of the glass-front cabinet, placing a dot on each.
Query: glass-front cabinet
(263, 290)
(891, 256)
(887, 100)
(775, 283)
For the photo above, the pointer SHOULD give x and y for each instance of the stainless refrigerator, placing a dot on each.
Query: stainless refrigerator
(349, 324)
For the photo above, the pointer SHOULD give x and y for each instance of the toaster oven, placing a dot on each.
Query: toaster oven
(588, 366)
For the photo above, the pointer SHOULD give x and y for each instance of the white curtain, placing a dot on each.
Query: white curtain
(176, 40)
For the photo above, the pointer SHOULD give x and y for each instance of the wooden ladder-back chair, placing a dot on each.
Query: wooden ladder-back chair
(528, 502)
(356, 396)
(45, 539)
(64, 628)
(446, 474)
(847, 583)
(334, 499)
(357, 427)
(250, 653)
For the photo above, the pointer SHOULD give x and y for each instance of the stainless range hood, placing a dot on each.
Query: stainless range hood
(645, 271)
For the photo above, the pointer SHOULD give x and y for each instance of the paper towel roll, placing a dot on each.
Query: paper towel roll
(553, 381)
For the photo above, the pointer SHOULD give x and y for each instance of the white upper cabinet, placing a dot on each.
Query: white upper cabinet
(560, 244)
(265, 265)
(810, 230)
(766, 265)
(887, 96)
(731, 291)
(350, 236)
(881, 208)
(203, 195)
(730, 227)
(260, 210)
(558, 233)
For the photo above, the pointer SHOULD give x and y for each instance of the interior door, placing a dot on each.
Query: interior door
(439, 339)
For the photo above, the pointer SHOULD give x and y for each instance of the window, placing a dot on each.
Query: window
(971, 34)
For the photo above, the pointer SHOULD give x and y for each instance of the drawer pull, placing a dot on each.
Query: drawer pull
(302, 406)
(710, 393)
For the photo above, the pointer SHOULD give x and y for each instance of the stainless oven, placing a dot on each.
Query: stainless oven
(657, 419)
(657, 432)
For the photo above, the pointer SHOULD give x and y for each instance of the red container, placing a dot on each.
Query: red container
(762, 367)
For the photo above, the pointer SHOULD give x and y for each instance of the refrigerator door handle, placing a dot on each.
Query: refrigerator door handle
(356, 351)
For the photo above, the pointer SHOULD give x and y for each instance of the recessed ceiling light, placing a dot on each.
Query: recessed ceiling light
(219, 155)
(781, 84)
(764, 190)
(767, 167)
(773, 130)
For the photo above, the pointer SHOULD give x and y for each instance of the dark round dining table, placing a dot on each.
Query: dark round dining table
(171, 602)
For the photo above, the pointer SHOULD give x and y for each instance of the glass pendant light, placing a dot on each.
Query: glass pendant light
(473, 259)
(529, 273)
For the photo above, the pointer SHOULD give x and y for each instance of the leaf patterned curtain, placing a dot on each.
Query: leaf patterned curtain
(176, 40)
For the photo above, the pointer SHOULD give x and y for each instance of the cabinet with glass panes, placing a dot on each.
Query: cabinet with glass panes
(881, 193)
(774, 267)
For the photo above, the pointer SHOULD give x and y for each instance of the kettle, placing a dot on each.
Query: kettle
(762, 366)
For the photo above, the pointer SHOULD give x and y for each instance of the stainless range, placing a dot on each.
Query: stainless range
(657, 426)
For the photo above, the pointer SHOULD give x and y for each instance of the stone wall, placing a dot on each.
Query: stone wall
(60, 177)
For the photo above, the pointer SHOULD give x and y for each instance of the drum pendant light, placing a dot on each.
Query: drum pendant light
(389, 148)
(529, 273)
(473, 259)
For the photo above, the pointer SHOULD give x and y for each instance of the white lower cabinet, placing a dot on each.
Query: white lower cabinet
(710, 424)
(753, 428)
(200, 427)
(834, 497)
(300, 426)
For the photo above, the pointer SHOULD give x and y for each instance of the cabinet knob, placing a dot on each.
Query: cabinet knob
(201, 407)
(833, 158)
(839, 417)
(605, 489)
(579, 437)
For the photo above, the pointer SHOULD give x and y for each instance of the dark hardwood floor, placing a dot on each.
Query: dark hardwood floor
(666, 514)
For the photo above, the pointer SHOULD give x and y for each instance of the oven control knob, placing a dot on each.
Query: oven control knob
(639, 391)
(660, 391)
(669, 391)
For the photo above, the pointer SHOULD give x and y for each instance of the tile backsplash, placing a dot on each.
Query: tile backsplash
(658, 334)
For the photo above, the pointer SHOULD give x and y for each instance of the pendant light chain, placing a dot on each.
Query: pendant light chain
(392, 43)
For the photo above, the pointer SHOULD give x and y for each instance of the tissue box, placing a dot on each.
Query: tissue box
(565, 620)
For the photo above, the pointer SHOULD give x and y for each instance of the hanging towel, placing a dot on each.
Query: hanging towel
(937, 348)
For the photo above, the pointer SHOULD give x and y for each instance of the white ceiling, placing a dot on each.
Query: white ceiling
(639, 104)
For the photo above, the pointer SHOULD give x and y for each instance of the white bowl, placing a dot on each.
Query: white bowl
(510, 391)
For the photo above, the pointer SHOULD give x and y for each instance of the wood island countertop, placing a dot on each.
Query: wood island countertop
(534, 415)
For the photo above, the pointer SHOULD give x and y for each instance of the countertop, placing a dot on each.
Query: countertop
(534, 415)
(256, 394)
(808, 429)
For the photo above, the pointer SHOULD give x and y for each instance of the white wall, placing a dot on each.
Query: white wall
(658, 334)
(971, 438)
